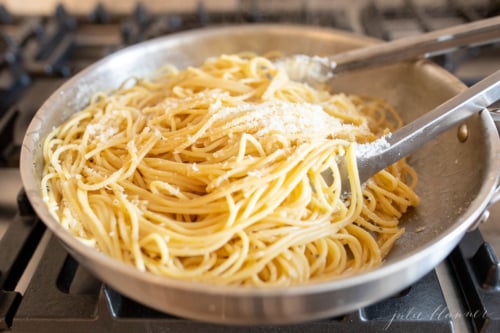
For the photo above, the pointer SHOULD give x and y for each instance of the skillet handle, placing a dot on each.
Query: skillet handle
(486, 213)
(494, 110)
(496, 196)
(495, 113)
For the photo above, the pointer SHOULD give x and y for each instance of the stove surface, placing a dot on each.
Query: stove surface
(43, 289)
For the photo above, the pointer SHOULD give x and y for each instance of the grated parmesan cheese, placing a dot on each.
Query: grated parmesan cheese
(302, 67)
(376, 147)
(281, 117)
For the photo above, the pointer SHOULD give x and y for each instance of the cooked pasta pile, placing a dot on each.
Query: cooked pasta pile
(216, 174)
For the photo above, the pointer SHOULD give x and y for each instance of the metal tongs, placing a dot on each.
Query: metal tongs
(320, 69)
(375, 156)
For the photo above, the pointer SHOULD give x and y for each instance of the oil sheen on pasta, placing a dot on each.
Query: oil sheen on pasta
(214, 174)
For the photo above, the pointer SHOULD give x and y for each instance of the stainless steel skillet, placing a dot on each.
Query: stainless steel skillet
(457, 179)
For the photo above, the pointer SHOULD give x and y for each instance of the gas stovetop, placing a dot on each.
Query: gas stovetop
(43, 289)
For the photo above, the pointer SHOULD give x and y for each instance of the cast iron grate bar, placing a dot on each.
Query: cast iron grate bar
(18, 245)
(476, 266)
(372, 18)
(493, 8)
(7, 136)
(45, 53)
(9, 301)
(5, 16)
(420, 15)
(466, 10)
(13, 77)
(15, 122)
(133, 29)
(100, 14)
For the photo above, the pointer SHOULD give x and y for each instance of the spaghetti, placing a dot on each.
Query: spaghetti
(215, 174)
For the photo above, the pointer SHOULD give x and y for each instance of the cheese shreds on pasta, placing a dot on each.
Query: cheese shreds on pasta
(215, 174)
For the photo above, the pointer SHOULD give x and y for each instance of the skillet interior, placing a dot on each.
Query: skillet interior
(455, 179)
